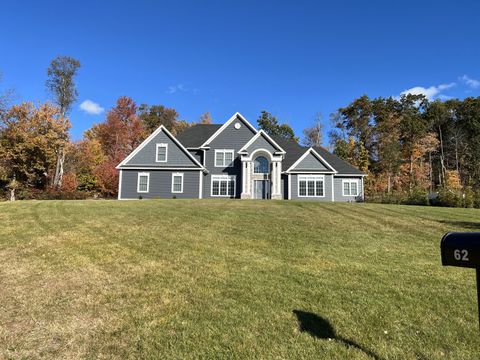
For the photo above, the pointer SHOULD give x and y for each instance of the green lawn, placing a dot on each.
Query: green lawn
(185, 279)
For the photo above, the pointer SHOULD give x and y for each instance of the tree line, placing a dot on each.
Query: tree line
(410, 147)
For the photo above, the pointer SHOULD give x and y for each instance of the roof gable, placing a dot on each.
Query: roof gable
(294, 151)
(145, 154)
(236, 116)
(261, 141)
(311, 161)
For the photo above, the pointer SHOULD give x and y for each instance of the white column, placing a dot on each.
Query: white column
(276, 180)
(279, 177)
(245, 180)
(273, 179)
(249, 179)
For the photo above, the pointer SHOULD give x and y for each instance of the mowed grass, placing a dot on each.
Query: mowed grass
(181, 279)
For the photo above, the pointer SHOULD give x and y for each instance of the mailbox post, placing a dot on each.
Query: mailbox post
(463, 250)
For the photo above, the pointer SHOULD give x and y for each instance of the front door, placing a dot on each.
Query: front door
(261, 189)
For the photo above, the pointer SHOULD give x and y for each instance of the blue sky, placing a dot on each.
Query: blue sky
(292, 58)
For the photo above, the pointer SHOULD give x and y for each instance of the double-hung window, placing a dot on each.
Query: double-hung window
(177, 183)
(223, 185)
(224, 158)
(311, 185)
(350, 187)
(143, 182)
(161, 152)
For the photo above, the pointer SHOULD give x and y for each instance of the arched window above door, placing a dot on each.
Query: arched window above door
(261, 165)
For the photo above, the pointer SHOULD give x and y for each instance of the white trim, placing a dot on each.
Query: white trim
(350, 187)
(181, 189)
(200, 185)
(224, 126)
(198, 148)
(363, 191)
(357, 175)
(312, 151)
(316, 178)
(150, 138)
(156, 152)
(333, 188)
(147, 174)
(119, 197)
(151, 167)
(227, 178)
(289, 187)
(319, 172)
(224, 151)
(269, 139)
(261, 150)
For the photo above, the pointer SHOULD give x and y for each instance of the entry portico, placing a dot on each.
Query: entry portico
(261, 160)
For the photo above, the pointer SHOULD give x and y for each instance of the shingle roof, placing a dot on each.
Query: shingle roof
(196, 135)
(294, 151)
(338, 164)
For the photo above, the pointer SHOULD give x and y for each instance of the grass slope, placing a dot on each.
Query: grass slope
(232, 279)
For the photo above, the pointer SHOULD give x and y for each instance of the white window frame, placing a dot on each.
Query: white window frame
(307, 178)
(224, 151)
(173, 190)
(350, 181)
(228, 179)
(166, 153)
(138, 182)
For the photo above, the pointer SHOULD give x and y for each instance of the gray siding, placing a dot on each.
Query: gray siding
(175, 155)
(327, 189)
(160, 184)
(197, 154)
(310, 162)
(230, 138)
(339, 189)
(261, 143)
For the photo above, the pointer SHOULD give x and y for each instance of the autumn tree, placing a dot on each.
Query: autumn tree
(388, 146)
(357, 119)
(413, 128)
(312, 136)
(118, 136)
(152, 116)
(60, 83)
(83, 158)
(269, 123)
(29, 139)
(205, 118)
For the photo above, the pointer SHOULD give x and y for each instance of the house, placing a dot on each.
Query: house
(234, 160)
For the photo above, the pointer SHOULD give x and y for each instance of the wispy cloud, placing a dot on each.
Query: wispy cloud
(91, 108)
(430, 92)
(472, 83)
(176, 88)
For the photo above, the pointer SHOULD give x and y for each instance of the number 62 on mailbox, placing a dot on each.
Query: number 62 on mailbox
(461, 249)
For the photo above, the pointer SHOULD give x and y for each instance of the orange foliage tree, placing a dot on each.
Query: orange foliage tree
(119, 135)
